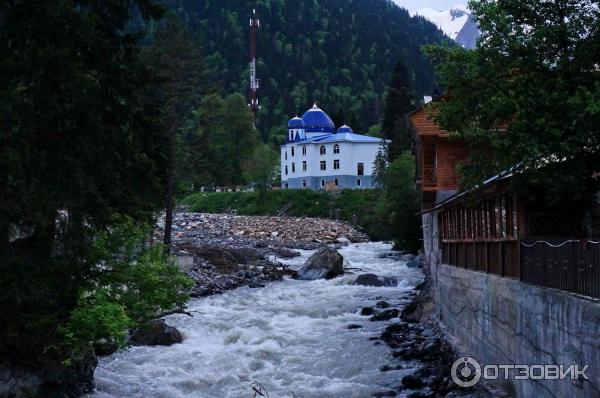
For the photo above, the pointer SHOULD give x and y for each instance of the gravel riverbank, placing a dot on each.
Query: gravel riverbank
(222, 251)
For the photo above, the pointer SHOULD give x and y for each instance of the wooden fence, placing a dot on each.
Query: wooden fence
(482, 237)
(571, 265)
(485, 236)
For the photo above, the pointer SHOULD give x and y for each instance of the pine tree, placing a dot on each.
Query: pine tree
(221, 136)
(175, 59)
(398, 102)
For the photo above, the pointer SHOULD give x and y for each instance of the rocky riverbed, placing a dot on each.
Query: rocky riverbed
(222, 252)
(356, 331)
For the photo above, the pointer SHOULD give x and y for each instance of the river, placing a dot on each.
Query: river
(292, 337)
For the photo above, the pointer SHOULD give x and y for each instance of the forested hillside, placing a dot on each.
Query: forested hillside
(340, 53)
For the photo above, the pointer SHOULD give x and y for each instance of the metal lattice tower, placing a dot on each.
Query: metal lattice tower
(254, 82)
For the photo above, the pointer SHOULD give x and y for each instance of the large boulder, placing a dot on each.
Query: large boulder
(325, 263)
(155, 333)
(374, 280)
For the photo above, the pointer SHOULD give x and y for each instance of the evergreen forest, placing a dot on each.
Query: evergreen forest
(339, 53)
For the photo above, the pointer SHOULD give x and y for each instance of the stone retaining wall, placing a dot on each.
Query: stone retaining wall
(500, 320)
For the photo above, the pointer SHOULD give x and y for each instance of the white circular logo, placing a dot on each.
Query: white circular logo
(466, 372)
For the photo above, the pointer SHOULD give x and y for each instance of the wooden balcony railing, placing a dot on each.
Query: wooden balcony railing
(429, 176)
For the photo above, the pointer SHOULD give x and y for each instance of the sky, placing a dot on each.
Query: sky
(413, 5)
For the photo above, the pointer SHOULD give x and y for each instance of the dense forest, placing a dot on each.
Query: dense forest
(340, 53)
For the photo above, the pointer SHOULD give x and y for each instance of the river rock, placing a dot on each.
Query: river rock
(381, 394)
(385, 315)
(383, 304)
(325, 263)
(419, 394)
(416, 262)
(374, 280)
(155, 333)
(407, 257)
(366, 311)
(412, 382)
(48, 377)
(413, 312)
(105, 347)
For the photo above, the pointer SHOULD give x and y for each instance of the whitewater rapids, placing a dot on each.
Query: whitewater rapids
(292, 337)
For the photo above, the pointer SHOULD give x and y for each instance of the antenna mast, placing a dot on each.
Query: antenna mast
(254, 82)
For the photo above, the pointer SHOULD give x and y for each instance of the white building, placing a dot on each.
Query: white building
(317, 156)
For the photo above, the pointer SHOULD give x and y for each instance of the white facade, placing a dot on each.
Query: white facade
(320, 158)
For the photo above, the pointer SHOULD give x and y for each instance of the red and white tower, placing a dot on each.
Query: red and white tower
(254, 82)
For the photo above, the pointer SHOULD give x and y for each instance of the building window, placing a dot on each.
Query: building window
(292, 151)
(361, 169)
(304, 167)
(336, 164)
(322, 150)
(304, 183)
(336, 182)
(358, 182)
(286, 170)
(285, 153)
(286, 185)
(304, 150)
(323, 165)
(336, 148)
(322, 183)
(293, 167)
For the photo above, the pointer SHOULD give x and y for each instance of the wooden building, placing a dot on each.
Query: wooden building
(494, 230)
(438, 155)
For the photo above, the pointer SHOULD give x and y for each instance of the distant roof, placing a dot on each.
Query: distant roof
(350, 137)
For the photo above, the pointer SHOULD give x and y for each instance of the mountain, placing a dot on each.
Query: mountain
(456, 22)
(339, 53)
(468, 35)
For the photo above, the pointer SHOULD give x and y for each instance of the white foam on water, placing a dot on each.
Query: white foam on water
(292, 337)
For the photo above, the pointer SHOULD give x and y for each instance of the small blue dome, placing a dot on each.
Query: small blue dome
(317, 120)
(296, 122)
(344, 129)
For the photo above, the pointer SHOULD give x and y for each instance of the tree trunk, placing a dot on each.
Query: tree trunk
(170, 189)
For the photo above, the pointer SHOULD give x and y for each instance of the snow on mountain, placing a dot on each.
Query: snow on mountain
(456, 23)
(449, 21)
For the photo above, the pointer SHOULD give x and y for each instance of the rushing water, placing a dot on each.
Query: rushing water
(292, 337)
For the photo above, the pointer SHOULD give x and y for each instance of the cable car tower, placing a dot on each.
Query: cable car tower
(254, 82)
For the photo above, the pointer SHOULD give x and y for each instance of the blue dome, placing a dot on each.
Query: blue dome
(296, 122)
(315, 120)
(344, 129)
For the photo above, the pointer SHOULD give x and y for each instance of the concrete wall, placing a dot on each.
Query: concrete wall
(344, 182)
(504, 321)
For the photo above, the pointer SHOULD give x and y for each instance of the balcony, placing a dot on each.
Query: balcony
(429, 177)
